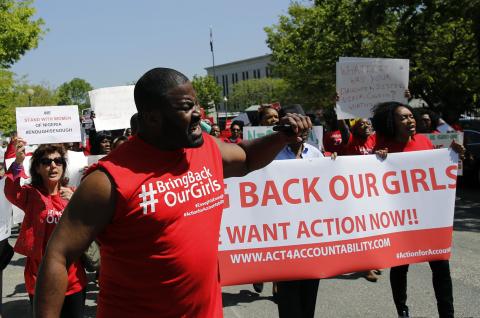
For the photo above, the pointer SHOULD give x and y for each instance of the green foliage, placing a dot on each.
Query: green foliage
(14, 93)
(261, 91)
(207, 90)
(440, 37)
(74, 92)
(18, 31)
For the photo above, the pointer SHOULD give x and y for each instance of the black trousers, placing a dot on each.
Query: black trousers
(296, 299)
(73, 305)
(442, 285)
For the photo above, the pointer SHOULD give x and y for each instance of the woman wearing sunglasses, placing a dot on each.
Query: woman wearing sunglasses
(43, 201)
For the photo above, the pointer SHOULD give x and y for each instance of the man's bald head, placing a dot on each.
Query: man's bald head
(151, 89)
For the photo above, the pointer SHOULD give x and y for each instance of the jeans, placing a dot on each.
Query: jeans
(442, 285)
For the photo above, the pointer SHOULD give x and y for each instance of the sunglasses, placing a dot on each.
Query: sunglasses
(234, 129)
(47, 161)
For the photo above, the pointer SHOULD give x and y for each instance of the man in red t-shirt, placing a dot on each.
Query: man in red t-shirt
(155, 207)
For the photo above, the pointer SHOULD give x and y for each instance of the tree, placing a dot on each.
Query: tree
(19, 32)
(208, 91)
(261, 91)
(7, 110)
(440, 37)
(74, 92)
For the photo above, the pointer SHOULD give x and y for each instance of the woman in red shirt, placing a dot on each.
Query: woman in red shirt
(395, 126)
(43, 202)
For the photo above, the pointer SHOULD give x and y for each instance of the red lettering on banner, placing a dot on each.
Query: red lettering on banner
(356, 194)
(310, 190)
(371, 181)
(451, 172)
(406, 188)
(226, 198)
(333, 191)
(394, 183)
(270, 192)
(435, 185)
(249, 197)
(305, 230)
(258, 233)
(286, 194)
(386, 219)
(418, 176)
(244, 194)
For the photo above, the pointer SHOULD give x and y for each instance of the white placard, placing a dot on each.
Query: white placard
(315, 137)
(113, 107)
(48, 124)
(76, 165)
(444, 140)
(5, 214)
(363, 83)
(320, 217)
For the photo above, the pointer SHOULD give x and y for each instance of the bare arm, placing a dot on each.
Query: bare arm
(250, 155)
(90, 209)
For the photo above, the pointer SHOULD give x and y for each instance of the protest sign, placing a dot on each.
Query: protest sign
(444, 140)
(315, 137)
(113, 107)
(362, 83)
(317, 218)
(5, 214)
(49, 124)
(77, 162)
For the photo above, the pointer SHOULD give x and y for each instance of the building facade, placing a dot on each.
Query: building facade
(228, 74)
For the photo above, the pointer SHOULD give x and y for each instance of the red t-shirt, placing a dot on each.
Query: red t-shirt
(360, 146)
(159, 253)
(416, 143)
(332, 141)
(42, 213)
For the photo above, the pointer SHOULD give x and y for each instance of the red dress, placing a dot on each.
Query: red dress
(42, 213)
(159, 253)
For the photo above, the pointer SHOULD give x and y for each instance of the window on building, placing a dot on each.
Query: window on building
(258, 74)
(224, 86)
(236, 77)
(267, 72)
(246, 75)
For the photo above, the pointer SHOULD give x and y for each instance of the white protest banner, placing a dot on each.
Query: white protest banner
(94, 159)
(76, 165)
(315, 137)
(5, 214)
(317, 218)
(113, 107)
(362, 83)
(444, 140)
(48, 124)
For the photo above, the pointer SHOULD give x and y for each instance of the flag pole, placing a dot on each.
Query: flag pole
(213, 66)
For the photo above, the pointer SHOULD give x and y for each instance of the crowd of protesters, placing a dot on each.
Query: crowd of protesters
(165, 140)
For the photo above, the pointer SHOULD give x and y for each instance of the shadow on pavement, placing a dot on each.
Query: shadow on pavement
(19, 289)
(244, 296)
(17, 308)
(19, 262)
(467, 210)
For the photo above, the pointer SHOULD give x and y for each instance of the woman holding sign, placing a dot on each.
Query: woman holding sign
(396, 131)
(43, 201)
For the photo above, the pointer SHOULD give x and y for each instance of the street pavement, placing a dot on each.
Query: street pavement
(344, 296)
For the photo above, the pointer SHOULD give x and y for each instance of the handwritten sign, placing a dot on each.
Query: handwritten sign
(363, 83)
(113, 107)
(49, 124)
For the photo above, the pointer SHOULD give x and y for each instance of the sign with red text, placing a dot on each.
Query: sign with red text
(113, 107)
(363, 82)
(315, 136)
(48, 124)
(317, 218)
